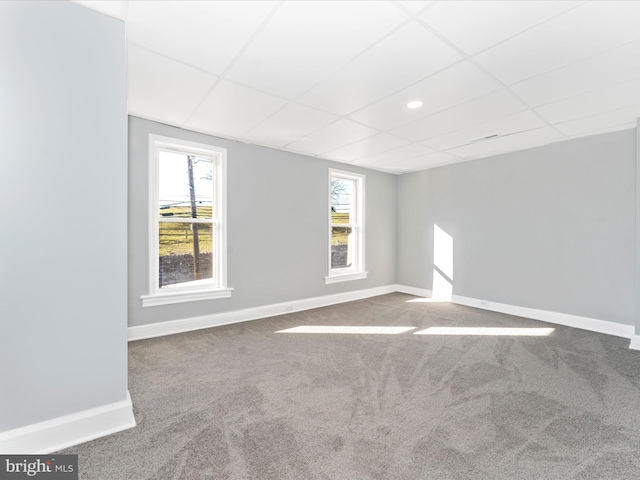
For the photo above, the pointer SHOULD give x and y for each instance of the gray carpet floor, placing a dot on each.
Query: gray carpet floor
(244, 402)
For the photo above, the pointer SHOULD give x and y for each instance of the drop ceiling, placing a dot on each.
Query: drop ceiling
(331, 79)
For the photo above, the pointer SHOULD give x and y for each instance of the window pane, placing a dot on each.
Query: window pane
(342, 247)
(342, 195)
(180, 243)
(178, 173)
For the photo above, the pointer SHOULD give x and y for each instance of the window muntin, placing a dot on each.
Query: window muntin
(187, 222)
(346, 225)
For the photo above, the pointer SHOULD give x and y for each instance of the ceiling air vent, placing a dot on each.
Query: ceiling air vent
(488, 137)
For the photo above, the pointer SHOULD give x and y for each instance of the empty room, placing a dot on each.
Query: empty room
(358, 240)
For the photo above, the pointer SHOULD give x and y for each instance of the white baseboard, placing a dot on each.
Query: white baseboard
(63, 432)
(635, 342)
(236, 316)
(225, 318)
(568, 320)
(418, 292)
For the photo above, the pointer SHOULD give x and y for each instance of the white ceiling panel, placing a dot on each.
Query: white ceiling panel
(415, 6)
(589, 29)
(518, 122)
(163, 89)
(368, 146)
(332, 79)
(517, 141)
(207, 35)
(288, 125)
(232, 110)
(336, 135)
(113, 8)
(600, 101)
(465, 22)
(479, 110)
(617, 118)
(608, 68)
(424, 161)
(453, 86)
(395, 155)
(617, 128)
(306, 41)
(401, 59)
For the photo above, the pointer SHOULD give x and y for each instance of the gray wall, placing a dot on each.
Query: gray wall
(637, 243)
(277, 226)
(550, 228)
(63, 181)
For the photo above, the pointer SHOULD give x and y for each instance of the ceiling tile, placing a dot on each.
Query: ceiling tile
(518, 141)
(479, 110)
(414, 6)
(306, 41)
(363, 148)
(391, 156)
(474, 26)
(401, 59)
(518, 122)
(595, 123)
(288, 125)
(113, 8)
(603, 100)
(591, 28)
(423, 162)
(162, 89)
(578, 66)
(232, 110)
(336, 135)
(617, 128)
(453, 86)
(608, 68)
(204, 34)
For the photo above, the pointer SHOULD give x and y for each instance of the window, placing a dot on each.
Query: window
(346, 227)
(187, 222)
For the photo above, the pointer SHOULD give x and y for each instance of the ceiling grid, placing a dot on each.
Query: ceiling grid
(333, 79)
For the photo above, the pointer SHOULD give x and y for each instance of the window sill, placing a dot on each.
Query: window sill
(345, 277)
(167, 298)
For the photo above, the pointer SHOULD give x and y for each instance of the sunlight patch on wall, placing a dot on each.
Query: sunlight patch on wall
(487, 331)
(347, 329)
(442, 288)
(442, 265)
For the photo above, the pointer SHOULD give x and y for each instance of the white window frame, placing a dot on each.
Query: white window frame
(357, 269)
(206, 289)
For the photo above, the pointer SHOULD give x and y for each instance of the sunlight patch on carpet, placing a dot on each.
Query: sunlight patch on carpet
(488, 331)
(347, 329)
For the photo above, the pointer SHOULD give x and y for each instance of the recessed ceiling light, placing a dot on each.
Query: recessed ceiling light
(414, 104)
